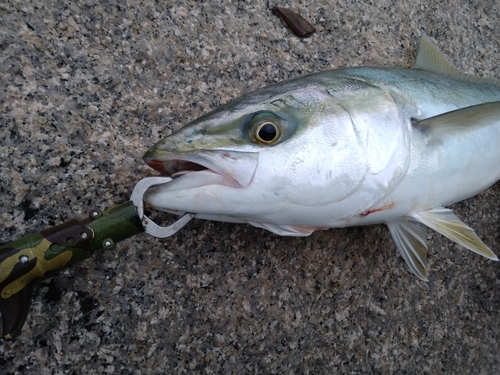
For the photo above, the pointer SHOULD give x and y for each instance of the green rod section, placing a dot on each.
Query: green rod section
(27, 261)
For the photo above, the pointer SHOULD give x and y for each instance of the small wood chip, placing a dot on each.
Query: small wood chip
(300, 26)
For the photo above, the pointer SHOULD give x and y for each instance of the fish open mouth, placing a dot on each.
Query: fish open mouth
(175, 168)
(189, 175)
(199, 168)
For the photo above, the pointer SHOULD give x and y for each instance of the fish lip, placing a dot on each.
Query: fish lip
(237, 168)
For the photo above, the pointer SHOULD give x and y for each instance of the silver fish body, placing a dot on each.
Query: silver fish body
(347, 147)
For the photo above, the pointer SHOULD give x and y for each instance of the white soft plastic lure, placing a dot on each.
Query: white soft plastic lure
(339, 148)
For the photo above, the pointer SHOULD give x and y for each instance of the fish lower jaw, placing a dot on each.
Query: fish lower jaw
(201, 169)
(187, 180)
(173, 167)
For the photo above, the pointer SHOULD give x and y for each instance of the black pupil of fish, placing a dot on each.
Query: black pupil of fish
(267, 132)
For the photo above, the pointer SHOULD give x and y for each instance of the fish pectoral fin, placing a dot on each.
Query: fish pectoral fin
(410, 237)
(444, 221)
(458, 121)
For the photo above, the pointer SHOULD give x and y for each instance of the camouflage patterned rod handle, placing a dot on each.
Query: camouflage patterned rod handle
(27, 261)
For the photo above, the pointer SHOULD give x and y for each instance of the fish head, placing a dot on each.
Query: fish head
(287, 156)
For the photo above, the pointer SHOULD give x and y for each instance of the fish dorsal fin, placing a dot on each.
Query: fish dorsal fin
(437, 128)
(410, 238)
(431, 59)
(444, 221)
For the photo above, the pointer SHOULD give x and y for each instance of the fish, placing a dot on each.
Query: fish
(345, 147)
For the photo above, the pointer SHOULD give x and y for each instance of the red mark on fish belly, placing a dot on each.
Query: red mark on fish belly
(383, 208)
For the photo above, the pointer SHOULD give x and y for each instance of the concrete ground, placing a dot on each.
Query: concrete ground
(88, 86)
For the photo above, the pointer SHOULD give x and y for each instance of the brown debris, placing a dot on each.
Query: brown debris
(300, 26)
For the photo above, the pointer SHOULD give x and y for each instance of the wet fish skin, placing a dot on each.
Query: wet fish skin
(353, 146)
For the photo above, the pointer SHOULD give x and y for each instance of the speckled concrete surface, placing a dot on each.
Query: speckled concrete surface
(87, 86)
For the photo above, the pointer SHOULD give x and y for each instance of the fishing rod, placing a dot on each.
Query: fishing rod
(27, 261)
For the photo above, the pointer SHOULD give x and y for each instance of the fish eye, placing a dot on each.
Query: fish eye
(266, 132)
